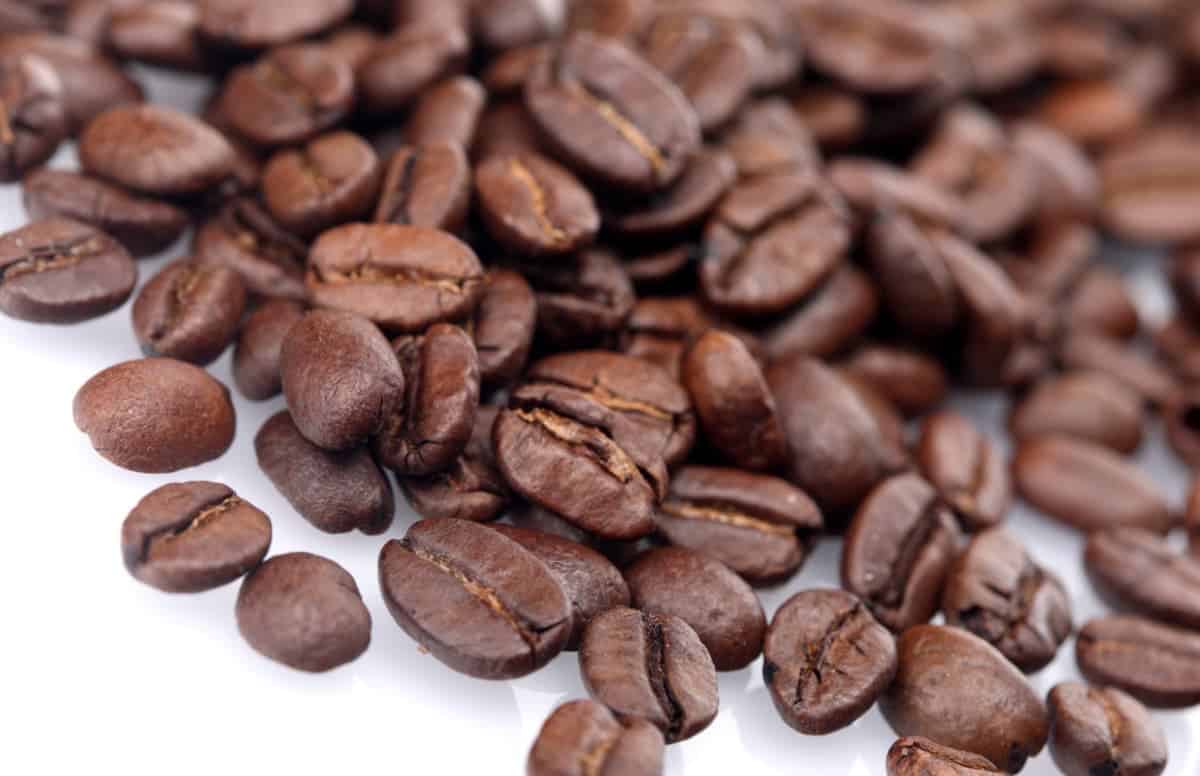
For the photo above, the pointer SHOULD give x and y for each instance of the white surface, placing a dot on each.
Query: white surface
(100, 673)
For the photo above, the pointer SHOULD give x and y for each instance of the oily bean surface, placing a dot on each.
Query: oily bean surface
(1103, 730)
(503, 327)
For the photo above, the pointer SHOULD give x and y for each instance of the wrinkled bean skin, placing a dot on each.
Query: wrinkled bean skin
(477, 600)
(918, 756)
(1103, 730)
(1139, 571)
(826, 660)
(189, 312)
(156, 415)
(190, 537)
(304, 611)
(260, 346)
(966, 468)
(337, 492)
(1157, 664)
(578, 731)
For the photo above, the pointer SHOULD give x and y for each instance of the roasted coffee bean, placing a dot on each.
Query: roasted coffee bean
(1084, 405)
(1139, 571)
(189, 537)
(1069, 185)
(352, 43)
(996, 591)
(770, 138)
(289, 96)
(533, 206)
(426, 431)
(244, 237)
(836, 117)
(826, 660)
(838, 451)
(583, 300)
(957, 689)
(337, 492)
(760, 526)
(341, 379)
(887, 417)
(1101, 302)
(918, 756)
(304, 611)
(736, 409)
(583, 737)
(426, 185)
(503, 327)
(144, 226)
(966, 468)
(832, 317)
(685, 204)
(1157, 664)
(472, 488)
(899, 548)
(404, 278)
(329, 181)
(155, 415)
(613, 115)
(913, 277)
(155, 150)
(477, 600)
(161, 32)
(592, 584)
(1100, 353)
(91, 82)
(1151, 187)
(448, 112)
(677, 581)
(913, 381)
(871, 186)
(1182, 420)
(505, 24)
(31, 95)
(249, 25)
(407, 61)
(1102, 730)
(259, 348)
(505, 127)
(189, 311)
(62, 271)
(1087, 486)
(652, 667)
(506, 73)
(772, 242)
(588, 436)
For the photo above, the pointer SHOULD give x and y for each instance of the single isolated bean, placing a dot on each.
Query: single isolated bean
(1102, 730)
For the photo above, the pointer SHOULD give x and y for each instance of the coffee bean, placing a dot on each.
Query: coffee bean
(997, 591)
(583, 735)
(503, 327)
(244, 237)
(835, 116)
(914, 382)
(1090, 406)
(62, 271)
(248, 25)
(1096, 352)
(341, 379)
(504, 24)
(826, 660)
(506, 127)
(1182, 419)
(189, 311)
(1102, 730)
(91, 82)
(155, 415)
(955, 688)
(144, 226)
(685, 204)
(887, 417)
(161, 32)
(18, 16)
(913, 277)
(734, 404)
(331, 180)
(899, 548)
(592, 584)
(1150, 187)
(613, 115)
(871, 186)
(426, 185)
(968, 471)
(404, 278)
(352, 43)
(652, 667)
(505, 75)
(704, 593)
(838, 451)
(337, 492)
(259, 347)
(407, 61)
(760, 526)
(918, 756)
(1101, 302)
(304, 611)
(289, 96)
(660, 329)
(1087, 486)
(426, 431)
(832, 317)
(31, 95)
(583, 300)
(533, 206)
(477, 600)
(769, 138)
(189, 537)
(472, 488)
(448, 112)
(1139, 571)
(1157, 664)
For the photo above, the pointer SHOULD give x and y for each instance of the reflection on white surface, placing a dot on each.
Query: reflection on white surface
(100, 672)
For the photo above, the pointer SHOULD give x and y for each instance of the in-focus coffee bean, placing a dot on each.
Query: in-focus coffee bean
(189, 311)
(1103, 730)
(260, 346)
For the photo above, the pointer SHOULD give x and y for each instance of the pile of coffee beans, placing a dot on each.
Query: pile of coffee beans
(673, 288)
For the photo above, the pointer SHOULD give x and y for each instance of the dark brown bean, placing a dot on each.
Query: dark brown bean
(407, 61)
(472, 488)
(583, 300)
(503, 327)
(1140, 572)
(1101, 302)
(707, 178)
(1157, 664)
(832, 317)
(1086, 405)
(31, 95)
(448, 112)
(246, 24)
(189, 311)
(533, 206)
(918, 756)
(259, 347)
(1182, 419)
(427, 185)
(331, 180)
(584, 735)
(912, 380)
(244, 237)
(967, 469)
(1102, 730)
(1150, 186)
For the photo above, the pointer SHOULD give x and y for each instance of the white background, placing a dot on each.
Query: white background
(99, 672)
